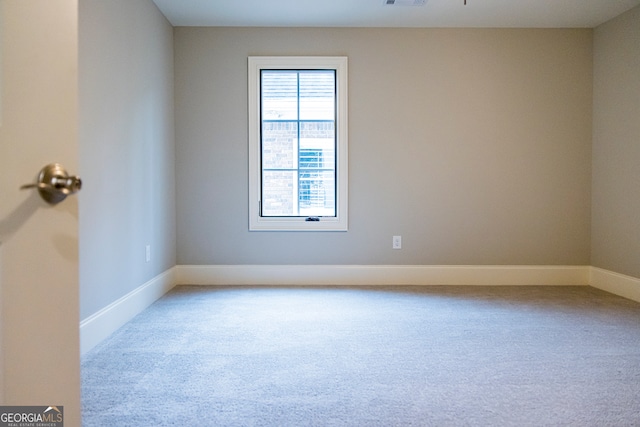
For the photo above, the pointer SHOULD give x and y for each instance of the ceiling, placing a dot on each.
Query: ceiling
(375, 13)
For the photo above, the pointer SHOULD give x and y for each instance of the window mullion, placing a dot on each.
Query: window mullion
(298, 145)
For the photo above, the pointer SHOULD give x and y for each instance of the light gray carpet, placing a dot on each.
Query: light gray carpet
(370, 356)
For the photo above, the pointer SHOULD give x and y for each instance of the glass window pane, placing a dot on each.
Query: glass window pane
(298, 143)
(317, 193)
(319, 136)
(317, 95)
(279, 145)
(279, 95)
(317, 169)
(279, 193)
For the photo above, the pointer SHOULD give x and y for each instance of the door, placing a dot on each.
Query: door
(38, 241)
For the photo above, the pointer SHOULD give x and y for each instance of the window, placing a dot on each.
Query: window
(298, 143)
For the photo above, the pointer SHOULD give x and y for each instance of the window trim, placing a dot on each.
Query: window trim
(255, 65)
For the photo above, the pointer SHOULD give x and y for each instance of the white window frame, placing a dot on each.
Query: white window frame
(258, 222)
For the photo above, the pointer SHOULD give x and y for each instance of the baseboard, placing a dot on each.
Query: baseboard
(615, 283)
(380, 275)
(103, 323)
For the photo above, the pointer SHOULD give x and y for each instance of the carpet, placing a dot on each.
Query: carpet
(370, 356)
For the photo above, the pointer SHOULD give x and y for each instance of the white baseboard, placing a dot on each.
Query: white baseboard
(615, 283)
(103, 323)
(380, 275)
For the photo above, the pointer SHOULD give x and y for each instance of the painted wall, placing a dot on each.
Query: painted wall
(127, 153)
(616, 145)
(473, 144)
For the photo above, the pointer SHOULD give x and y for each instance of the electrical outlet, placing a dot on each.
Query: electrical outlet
(397, 242)
(148, 253)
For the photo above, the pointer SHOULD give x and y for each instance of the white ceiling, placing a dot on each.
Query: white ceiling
(374, 13)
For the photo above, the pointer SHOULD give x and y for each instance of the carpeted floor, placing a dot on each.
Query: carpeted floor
(370, 356)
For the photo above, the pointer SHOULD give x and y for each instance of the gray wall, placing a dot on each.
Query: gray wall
(127, 151)
(616, 145)
(473, 144)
